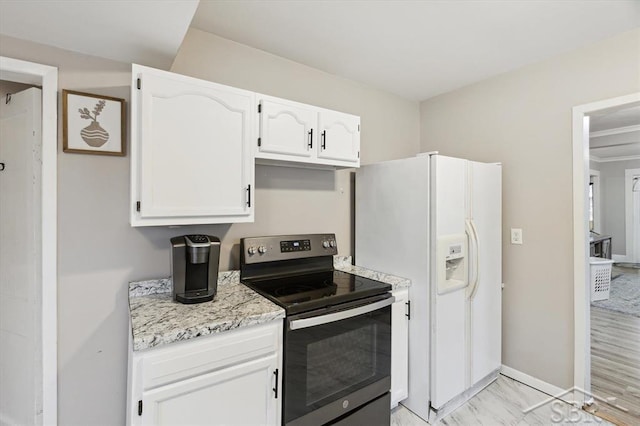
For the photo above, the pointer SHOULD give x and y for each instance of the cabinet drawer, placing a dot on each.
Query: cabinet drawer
(205, 354)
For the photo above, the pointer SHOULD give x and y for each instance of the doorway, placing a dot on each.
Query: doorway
(595, 212)
(632, 208)
(42, 378)
(20, 185)
(581, 228)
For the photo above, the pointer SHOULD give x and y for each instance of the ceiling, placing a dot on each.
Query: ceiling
(148, 32)
(416, 49)
(614, 118)
(615, 134)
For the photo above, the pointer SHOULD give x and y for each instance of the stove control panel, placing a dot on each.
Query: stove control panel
(297, 245)
(287, 247)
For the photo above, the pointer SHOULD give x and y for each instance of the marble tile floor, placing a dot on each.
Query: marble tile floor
(503, 403)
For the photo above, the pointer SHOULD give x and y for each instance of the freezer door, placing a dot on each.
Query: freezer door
(485, 299)
(449, 367)
(392, 208)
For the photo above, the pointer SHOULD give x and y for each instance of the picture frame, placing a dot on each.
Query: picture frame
(93, 124)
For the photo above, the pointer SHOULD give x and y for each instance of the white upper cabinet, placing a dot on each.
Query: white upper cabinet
(339, 136)
(295, 134)
(191, 150)
(286, 128)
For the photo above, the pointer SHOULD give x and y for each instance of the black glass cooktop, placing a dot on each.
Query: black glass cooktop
(301, 293)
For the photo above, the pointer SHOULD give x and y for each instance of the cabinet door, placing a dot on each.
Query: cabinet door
(239, 395)
(339, 137)
(286, 128)
(399, 347)
(191, 155)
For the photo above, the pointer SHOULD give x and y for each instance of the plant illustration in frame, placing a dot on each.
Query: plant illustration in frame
(93, 124)
(93, 134)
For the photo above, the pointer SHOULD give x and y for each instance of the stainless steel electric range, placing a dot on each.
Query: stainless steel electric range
(337, 330)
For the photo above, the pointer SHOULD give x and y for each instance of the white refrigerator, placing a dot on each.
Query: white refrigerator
(437, 220)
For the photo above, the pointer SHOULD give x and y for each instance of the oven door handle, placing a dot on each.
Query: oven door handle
(337, 316)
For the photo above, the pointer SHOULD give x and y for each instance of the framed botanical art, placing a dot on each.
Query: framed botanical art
(93, 124)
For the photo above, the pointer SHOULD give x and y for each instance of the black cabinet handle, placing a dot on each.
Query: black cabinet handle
(408, 314)
(1, 167)
(310, 138)
(249, 196)
(324, 139)
(275, 389)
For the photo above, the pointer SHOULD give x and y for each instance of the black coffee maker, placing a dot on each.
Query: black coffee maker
(194, 268)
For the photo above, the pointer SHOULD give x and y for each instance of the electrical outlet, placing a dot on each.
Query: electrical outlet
(516, 236)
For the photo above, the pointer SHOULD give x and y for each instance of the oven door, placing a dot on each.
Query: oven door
(336, 360)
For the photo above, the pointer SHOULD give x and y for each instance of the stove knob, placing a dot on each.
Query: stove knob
(332, 243)
(325, 244)
(251, 250)
(262, 249)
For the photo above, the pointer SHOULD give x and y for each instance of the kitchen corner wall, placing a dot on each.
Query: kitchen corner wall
(523, 119)
(292, 200)
(99, 253)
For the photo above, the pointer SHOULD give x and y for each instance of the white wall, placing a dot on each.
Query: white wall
(612, 178)
(523, 119)
(99, 253)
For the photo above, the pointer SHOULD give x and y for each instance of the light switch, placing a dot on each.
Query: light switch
(516, 236)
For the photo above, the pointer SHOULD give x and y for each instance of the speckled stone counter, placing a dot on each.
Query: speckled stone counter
(157, 320)
(343, 263)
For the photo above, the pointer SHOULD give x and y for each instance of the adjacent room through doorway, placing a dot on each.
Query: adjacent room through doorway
(614, 270)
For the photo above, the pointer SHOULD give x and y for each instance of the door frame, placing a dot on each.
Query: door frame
(581, 281)
(47, 77)
(597, 218)
(631, 230)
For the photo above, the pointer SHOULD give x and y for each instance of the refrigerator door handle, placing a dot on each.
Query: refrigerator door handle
(472, 231)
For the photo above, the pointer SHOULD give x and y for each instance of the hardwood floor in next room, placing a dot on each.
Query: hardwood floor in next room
(504, 402)
(615, 365)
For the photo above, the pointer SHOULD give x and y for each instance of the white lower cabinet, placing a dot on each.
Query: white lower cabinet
(218, 398)
(230, 378)
(400, 315)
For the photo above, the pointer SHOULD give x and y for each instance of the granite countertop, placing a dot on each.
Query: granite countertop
(343, 263)
(157, 320)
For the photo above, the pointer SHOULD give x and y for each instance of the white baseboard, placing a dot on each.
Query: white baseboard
(452, 405)
(534, 382)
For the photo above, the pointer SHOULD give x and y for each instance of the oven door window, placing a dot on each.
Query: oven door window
(327, 362)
